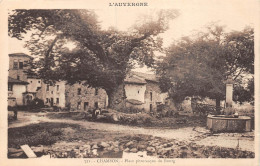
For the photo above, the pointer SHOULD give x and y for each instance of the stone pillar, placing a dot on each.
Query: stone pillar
(229, 92)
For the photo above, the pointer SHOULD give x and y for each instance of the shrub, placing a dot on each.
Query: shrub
(229, 111)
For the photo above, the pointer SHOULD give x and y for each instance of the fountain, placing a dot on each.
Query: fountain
(230, 122)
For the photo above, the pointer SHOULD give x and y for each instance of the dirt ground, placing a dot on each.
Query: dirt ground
(198, 135)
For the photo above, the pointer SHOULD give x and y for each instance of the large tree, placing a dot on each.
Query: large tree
(200, 66)
(99, 58)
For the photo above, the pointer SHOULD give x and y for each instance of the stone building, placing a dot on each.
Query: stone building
(76, 97)
(83, 98)
(18, 64)
(16, 91)
(143, 91)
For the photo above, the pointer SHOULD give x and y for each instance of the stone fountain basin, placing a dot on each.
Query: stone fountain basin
(220, 123)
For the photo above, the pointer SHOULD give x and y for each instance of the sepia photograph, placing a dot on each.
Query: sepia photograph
(131, 83)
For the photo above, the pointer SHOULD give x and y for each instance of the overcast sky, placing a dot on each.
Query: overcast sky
(194, 15)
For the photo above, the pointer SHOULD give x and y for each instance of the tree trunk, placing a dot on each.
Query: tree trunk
(116, 98)
(218, 106)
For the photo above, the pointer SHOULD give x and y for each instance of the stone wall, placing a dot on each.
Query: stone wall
(16, 72)
(153, 96)
(53, 95)
(82, 98)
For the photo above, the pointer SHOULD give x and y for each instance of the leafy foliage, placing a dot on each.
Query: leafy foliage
(200, 66)
(100, 58)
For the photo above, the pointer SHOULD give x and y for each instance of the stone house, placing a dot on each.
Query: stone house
(16, 91)
(76, 97)
(143, 91)
(18, 65)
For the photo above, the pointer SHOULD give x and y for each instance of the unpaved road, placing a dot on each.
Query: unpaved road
(197, 135)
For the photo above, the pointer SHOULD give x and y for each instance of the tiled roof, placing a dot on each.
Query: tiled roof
(15, 81)
(149, 77)
(134, 79)
(19, 55)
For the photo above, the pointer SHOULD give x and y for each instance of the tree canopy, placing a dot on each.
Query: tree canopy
(200, 66)
(100, 58)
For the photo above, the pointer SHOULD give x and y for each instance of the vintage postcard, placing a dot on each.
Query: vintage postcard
(171, 82)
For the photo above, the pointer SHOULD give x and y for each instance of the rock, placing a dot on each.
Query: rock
(150, 149)
(116, 149)
(133, 150)
(104, 145)
(126, 150)
(68, 149)
(87, 146)
(141, 147)
(16, 155)
(165, 145)
(37, 149)
(14, 150)
(184, 148)
(129, 144)
(94, 146)
(164, 151)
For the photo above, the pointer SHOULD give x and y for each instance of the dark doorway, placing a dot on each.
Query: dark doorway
(51, 102)
(85, 105)
(96, 104)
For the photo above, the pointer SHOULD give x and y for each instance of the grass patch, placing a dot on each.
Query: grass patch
(50, 133)
(36, 134)
(140, 120)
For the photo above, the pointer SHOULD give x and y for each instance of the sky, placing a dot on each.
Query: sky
(194, 16)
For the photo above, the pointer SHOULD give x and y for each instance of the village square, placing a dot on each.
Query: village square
(81, 87)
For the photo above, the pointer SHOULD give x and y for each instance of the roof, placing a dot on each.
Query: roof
(134, 102)
(140, 78)
(15, 81)
(148, 77)
(19, 55)
(134, 79)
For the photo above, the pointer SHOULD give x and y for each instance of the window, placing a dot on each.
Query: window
(18, 77)
(151, 107)
(78, 106)
(57, 100)
(79, 91)
(20, 65)
(96, 91)
(47, 100)
(10, 87)
(15, 65)
(151, 96)
(138, 92)
(25, 63)
(31, 81)
(48, 88)
(39, 82)
(58, 87)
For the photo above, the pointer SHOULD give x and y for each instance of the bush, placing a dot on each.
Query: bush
(229, 111)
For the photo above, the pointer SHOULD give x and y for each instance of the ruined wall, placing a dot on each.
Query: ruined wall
(82, 98)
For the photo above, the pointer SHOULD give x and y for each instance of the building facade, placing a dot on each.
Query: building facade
(143, 92)
(76, 97)
(16, 91)
(18, 64)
